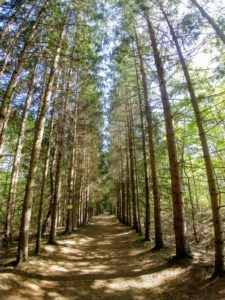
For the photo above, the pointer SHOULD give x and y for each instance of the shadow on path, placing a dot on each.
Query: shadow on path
(105, 260)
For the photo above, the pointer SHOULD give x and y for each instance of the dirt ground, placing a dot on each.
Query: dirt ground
(107, 260)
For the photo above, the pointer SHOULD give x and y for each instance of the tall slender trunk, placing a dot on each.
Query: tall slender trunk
(132, 177)
(87, 190)
(9, 93)
(214, 25)
(137, 204)
(13, 17)
(11, 46)
(182, 249)
(122, 188)
(213, 190)
(52, 167)
(192, 206)
(123, 207)
(88, 198)
(77, 189)
(55, 198)
(60, 147)
(145, 162)
(81, 201)
(73, 170)
(17, 158)
(128, 222)
(44, 182)
(82, 189)
(22, 255)
(118, 201)
(154, 176)
(137, 192)
(70, 210)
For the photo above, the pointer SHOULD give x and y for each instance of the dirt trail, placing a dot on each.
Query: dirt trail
(105, 260)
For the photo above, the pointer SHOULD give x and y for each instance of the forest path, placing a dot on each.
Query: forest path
(105, 260)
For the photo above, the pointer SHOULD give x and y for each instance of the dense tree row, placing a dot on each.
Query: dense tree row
(162, 171)
(50, 119)
(166, 123)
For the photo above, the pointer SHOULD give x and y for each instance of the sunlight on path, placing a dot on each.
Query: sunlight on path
(104, 260)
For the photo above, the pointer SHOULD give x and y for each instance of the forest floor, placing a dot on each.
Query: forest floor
(107, 260)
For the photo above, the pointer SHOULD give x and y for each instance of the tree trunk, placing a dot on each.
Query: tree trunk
(205, 15)
(128, 222)
(87, 193)
(132, 176)
(71, 171)
(73, 174)
(182, 249)
(213, 191)
(52, 192)
(43, 187)
(22, 255)
(77, 187)
(118, 202)
(154, 177)
(145, 162)
(122, 188)
(11, 46)
(137, 192)
(69, 206)
(83, 185)
(55, 199)
(9, 93)
(17, 158)
(12, 19)
(60, 147)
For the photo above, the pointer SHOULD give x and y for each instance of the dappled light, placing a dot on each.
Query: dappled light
(112, 150)
(100, 261)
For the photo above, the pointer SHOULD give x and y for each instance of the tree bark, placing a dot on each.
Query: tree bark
(11, 46)
(73, 174)
(213, 191)
(17, 158)
(154, 177)
(132, 176)
(122, 188)
(145, 162)
(55, 199)
(137, 191)
(9, 93)
(128, 221)
(205, 15)
(22, 254)
(44, 182)
(52, 167)
(182, 248)
(60, 147)
(12, 19)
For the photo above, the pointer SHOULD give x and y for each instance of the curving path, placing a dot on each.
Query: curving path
(103, 260)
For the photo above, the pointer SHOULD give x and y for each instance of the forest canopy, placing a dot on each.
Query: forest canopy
(113, 106)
